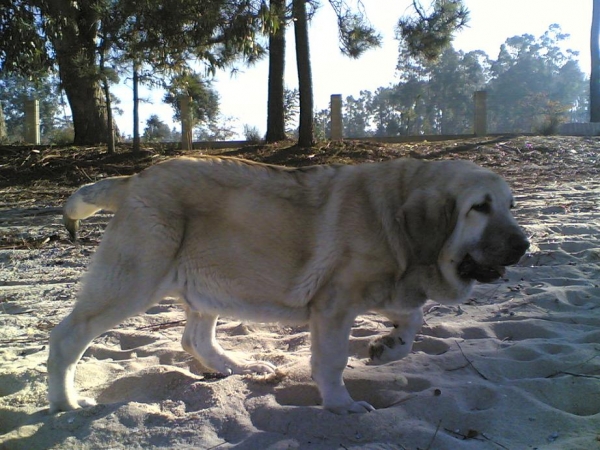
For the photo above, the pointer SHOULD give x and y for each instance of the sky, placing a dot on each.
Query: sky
(243, 96)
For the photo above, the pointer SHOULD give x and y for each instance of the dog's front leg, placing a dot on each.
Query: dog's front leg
(329, 349)
(200, 341)
(398, 343)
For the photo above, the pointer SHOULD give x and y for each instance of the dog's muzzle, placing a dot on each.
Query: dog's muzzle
(470, 269)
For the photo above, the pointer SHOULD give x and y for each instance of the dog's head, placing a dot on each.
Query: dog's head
(461, 222)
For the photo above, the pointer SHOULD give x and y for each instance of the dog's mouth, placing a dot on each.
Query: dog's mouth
(469, 269)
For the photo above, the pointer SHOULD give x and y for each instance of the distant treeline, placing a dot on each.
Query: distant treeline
(532, 86)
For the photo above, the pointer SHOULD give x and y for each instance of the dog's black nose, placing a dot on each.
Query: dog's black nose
(518, 244)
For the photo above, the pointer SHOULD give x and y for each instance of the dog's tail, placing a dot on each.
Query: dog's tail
(107, 194)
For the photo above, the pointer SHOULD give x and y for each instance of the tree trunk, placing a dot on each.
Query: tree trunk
(305, 130)
(87, 106)
(74, 40)
(595, 69)
(3, 133)
(136, 111)
(110, 129)
(275, 104)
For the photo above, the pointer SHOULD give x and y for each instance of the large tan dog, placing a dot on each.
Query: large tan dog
(320, 245)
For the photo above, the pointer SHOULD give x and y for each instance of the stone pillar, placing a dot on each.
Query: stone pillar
(32, 122)
(480, 120)
(336, 117)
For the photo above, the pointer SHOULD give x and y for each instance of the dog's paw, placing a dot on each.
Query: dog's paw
(85, 402)
(245, 367)
(350, 408)
(388, 348)
(66, 405)
(261, 367)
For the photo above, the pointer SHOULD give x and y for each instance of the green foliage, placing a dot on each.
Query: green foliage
(550, 120)
(22, 39)
(429, 32)
(96, 41)
(217, 129)
(533, 77)
(167, 35)
(291, 108)
(322, 121)
(533, 86)
(356, 119)
(15, 90)
(355, 32)
(252, 135)
(156, 130)
(63, 134)
(205, 101)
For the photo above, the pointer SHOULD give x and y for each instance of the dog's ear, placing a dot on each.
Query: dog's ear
(427, 219)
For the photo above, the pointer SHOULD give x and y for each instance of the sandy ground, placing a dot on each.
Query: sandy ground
(516, 367)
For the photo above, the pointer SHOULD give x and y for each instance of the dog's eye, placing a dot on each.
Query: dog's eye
(483, 208)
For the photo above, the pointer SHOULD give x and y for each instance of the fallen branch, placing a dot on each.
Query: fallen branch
(162, 326)
(470, 362)
(402, 400)
(474, 434)
(564, 371)
(437, 429)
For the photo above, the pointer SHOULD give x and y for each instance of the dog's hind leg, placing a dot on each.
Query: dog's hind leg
(115, 288)
(199, 340)
(69, 340)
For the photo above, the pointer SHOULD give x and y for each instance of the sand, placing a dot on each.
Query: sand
(516, 367)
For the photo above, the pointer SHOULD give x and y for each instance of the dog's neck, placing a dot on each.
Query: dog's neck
(431, 282)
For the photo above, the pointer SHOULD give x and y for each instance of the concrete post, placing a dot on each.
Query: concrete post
(336, 117)
(480, 120)
(32, 122)
(186, 122)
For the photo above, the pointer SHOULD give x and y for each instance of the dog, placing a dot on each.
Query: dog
(318, 245)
